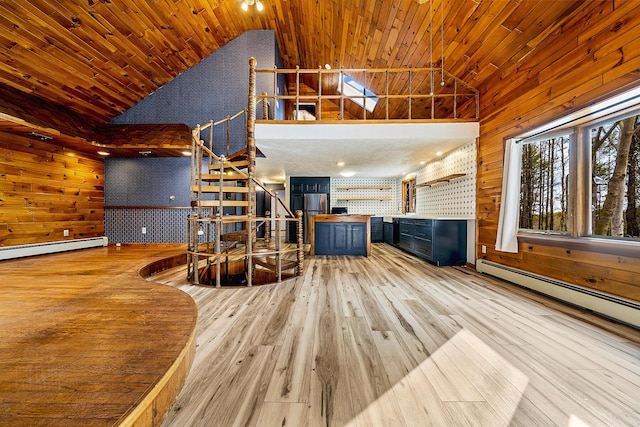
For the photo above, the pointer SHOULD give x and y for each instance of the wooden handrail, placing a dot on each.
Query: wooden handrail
(368, 75)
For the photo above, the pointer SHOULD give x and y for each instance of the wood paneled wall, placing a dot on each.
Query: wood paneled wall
(46, 189)
(595, 54)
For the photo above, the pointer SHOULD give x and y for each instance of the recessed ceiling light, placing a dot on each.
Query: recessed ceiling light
(186, 153)
(347, 173)
(340, 163)
(422, 162)
(103, 153)
(438, 153)
(40, 136)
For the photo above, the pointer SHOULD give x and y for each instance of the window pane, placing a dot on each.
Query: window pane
(544, 186)
(614, 186)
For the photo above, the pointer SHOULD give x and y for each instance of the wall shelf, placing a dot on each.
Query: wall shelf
(447, 178)
(379, 187)
(363, 198)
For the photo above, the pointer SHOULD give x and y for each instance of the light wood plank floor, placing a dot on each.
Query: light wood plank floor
(393, 341)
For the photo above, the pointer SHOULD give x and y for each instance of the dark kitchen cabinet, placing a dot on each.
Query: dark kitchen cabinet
(340, 238)
(390, 230)
(377, 232)
(299, 187)
(440, 241)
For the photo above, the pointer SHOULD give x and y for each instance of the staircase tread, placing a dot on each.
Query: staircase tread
(216, 189)
(271, 262)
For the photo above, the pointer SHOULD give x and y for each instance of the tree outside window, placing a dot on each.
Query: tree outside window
(544, 184)
(615, 164)
(545, 202)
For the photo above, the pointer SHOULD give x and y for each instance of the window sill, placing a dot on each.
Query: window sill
(606, 246)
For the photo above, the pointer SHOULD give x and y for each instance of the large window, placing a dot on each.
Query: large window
(615, 166)
(544, 184)
(551, 170)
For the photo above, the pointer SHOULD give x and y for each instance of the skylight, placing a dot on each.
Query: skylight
(356, 91)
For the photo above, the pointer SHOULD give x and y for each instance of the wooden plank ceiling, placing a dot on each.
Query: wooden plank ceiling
(68, 67)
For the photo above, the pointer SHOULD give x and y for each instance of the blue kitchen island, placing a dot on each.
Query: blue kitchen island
(340, 234)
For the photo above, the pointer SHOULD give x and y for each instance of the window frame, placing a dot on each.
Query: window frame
(580, 123)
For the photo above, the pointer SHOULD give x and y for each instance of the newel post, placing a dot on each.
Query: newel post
(300, 237)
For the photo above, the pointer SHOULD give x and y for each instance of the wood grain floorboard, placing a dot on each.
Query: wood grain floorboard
(392, 340)
(85, 341)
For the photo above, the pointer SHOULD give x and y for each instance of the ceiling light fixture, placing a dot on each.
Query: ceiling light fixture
(347, 174)
(186, 153)
(257, 3)
(438, 153)
(103, 153)
(40, 136)
(340, 163)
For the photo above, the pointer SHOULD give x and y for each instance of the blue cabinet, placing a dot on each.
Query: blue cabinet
(340, 238)
(376, 229)
(440, 241)
(391, 234)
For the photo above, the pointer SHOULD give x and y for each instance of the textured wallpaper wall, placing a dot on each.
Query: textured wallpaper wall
(454, 199)
(366, 196)
(138, 191)
(138, 194)
(212, 89)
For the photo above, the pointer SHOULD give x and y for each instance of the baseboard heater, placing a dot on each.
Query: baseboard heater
(20, 251)
(618, 308)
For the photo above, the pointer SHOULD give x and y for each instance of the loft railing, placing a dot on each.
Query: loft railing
(401, 94)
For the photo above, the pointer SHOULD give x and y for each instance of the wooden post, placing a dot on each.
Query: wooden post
(300, 243)
(249, 251)
(195, 258)
(251, 140)
(265, 106)
(267, 228)
(319, 106)
(278, 253)
(217, 250)
(189, 249)
(251, 157)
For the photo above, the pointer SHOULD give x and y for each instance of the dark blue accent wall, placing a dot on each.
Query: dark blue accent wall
(147, 182)
(138, 190)
(213, 89)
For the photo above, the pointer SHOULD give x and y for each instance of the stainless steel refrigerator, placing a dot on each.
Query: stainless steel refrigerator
(314, 203)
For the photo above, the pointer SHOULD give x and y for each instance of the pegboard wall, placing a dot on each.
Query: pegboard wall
(365, 196)
(454, 199)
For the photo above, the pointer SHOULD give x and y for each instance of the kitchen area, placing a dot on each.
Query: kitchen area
(343, 216)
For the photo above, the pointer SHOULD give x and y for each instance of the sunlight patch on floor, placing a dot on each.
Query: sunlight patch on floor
(463, 378)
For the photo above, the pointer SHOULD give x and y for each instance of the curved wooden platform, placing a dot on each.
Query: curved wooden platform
(84, 340)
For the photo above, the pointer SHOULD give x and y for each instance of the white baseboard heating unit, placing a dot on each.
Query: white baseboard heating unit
(621, 309)
(20, 251)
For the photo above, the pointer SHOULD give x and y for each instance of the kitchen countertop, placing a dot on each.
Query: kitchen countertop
(389, 218)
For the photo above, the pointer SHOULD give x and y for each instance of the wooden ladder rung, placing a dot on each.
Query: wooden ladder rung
(225, 177)
(216, 203)
(238, 164)
(216, 189)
